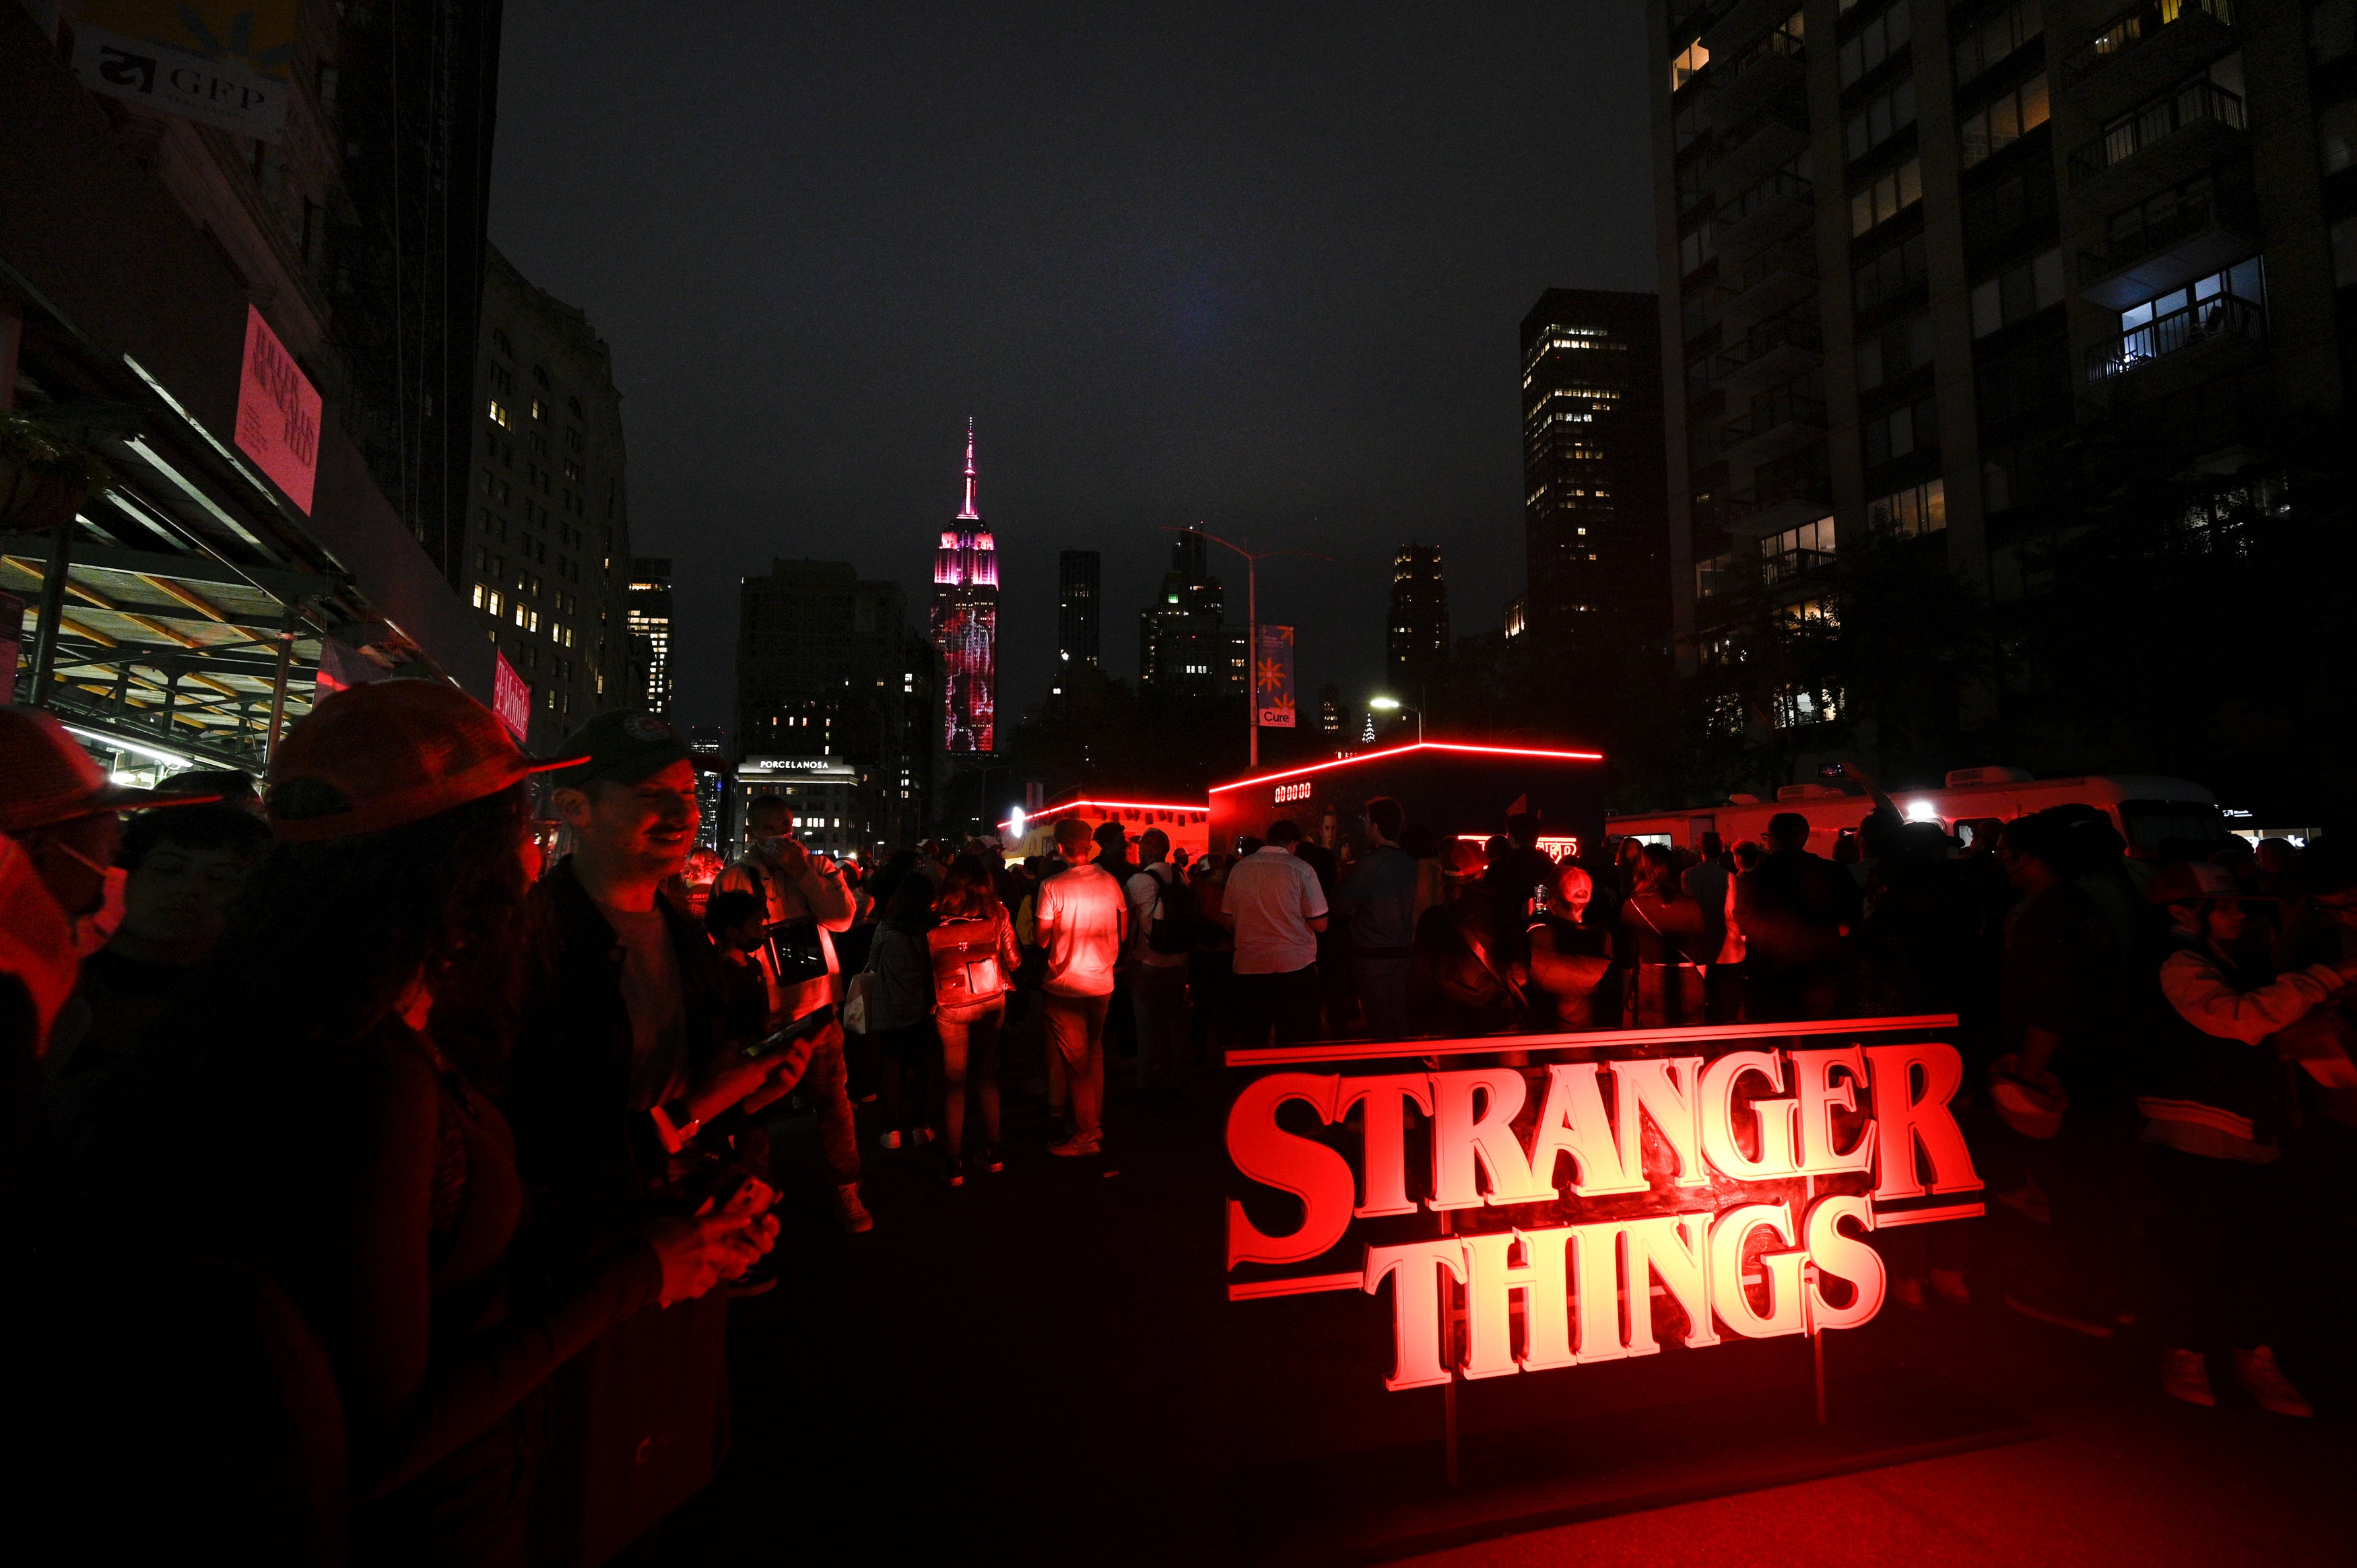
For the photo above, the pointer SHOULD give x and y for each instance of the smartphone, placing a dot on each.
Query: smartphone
(1833, 770)
(801, 1028)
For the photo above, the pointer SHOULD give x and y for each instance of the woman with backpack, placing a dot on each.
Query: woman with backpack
(974, 958)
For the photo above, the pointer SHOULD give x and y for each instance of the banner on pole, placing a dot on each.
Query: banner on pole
(511, 697)
(1273, 677)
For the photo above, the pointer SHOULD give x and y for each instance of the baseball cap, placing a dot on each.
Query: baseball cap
(386, 754)
(1462, 858)
(625, 745)
(47, 778)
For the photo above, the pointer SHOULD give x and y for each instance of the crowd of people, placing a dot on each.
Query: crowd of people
(379, 1183)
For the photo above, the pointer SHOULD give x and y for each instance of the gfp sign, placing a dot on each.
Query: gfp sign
(1692, 1184)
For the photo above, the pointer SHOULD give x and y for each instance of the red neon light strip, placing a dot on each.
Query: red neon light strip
(1116, 805)
(1886, 1219)
(1412, 745)
(1598, 1039)
(1302, 1284)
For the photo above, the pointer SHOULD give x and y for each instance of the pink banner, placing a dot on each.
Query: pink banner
(511, 697)
(277, 413)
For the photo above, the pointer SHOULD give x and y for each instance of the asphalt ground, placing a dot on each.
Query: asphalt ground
(1042, 1367)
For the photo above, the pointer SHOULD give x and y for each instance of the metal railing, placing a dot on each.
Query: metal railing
(2192, 103)
(2131, 28)
(2221, 317)
(1782, 186)
(2219, 209)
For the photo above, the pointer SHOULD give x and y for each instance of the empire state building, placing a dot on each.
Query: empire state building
(966, 625)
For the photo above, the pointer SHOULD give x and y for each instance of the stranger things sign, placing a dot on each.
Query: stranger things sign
(1620, 1190)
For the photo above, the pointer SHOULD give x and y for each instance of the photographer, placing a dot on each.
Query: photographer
(807, 903)
(623, 1055)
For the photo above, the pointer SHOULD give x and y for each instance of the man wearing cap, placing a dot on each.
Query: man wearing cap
(807, 901)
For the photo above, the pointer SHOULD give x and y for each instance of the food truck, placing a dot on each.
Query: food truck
(1457, 790)
(2145, 808)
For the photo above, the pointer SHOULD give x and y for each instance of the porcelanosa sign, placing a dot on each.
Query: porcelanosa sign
(1626, 1189)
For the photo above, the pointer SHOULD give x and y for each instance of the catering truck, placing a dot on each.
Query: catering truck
(1457, 790)
(2146, 807)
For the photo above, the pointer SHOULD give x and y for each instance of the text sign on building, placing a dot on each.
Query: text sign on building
(511, 697)
(227, 63)
(277, 413)
(1273, 677)
(1688, 1184)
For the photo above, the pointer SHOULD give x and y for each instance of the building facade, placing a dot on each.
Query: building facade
(1080, 592)
(649, 607)
(548, 539)
(1184, 643)
(1415, 636)
(966, 625)
(1907, 246)
(1593, 506)
(831, 675)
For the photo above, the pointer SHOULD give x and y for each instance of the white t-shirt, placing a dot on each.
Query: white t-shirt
(1272, 895)
(1144, 888)
(1079, 919)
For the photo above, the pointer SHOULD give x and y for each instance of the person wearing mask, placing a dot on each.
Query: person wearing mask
(1665, 931)
(1161, 942)
(1796, 910)
(1571, 957)
(974, 954)
(2060, 993)
(1378, 902)
(386, 1196)
(807, 905)
(900, 1013)
(1082, 916)
(1469, 970)
(622, 1059)
(1276, 909)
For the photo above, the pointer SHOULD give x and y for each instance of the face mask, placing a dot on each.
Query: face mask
(95, 930)
(772, 847)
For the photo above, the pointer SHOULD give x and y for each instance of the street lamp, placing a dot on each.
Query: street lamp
(1392, 705)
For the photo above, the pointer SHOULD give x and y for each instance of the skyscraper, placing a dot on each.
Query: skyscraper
(1415, 638)
(966, 625)
(1592, 470)
(1905, 245)
(1078, 586)
(1183, 641)
(651, 605)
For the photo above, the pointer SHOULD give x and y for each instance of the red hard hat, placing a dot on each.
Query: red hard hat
(389, 753)
(47, 778)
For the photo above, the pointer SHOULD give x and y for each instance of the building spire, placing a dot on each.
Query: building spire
(969, 514)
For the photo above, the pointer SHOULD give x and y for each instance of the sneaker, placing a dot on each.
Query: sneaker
(853, 1213)
(920, 1137)
(1078, 1144)
(952, 1174)
(888, 1141)
(1909, 1293)
(1950, 1285)
(2185, 1375)
(2263, 1382)
(2031, 1304)
(988, 1162)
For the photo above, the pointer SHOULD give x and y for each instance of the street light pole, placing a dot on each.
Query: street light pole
(1394, 706)
(1253, 558)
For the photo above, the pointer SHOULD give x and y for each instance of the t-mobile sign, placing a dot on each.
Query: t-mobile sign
(277, 413)
(511, 697)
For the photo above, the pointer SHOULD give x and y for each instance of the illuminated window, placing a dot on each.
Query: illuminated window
(538, 409)
(1918, 509)
(494, 604)
(1689, 61)
(1884, 198)
(499, 413)
(2012, 116)
(478, 595)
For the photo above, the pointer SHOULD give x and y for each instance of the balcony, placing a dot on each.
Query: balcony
(2163, 142)
(1757, 149)
(2165, 253)
(1745, 85)
(1773, 353)
(1765, 213)
(1775, 427)
(1767, 510)
(2223, 318)
(2142, 49)
(1742, 22)
(1768, 284)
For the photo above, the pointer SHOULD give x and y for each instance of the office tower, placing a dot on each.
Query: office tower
(1908, 247)
(649, 630)
(1079, 587)
(711, 786)
(1592, 472)
(966, 625)
(1416, 635)
(835, 689)
(1332, 718)
(1184, 643)
(546, 534)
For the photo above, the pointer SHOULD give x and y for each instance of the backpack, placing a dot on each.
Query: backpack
(1173, 924)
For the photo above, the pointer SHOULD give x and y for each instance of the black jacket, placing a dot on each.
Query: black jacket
(593, 1165)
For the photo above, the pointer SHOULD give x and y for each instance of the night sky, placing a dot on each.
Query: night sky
(1256, 266)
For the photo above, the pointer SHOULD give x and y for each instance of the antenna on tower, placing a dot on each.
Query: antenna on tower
(969, 514)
